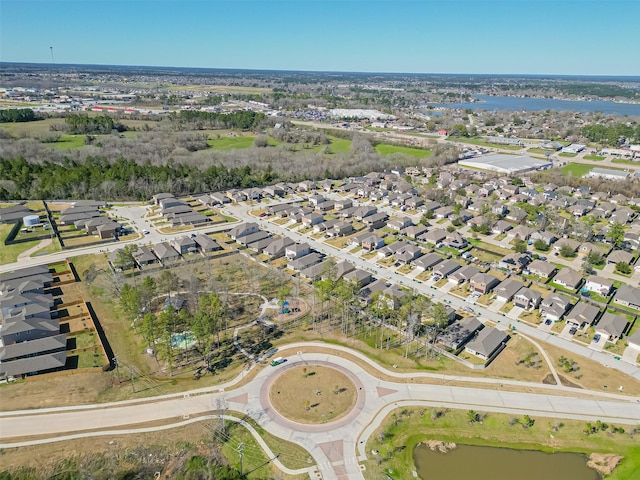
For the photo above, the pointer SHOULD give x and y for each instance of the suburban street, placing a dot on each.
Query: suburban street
(337, 447)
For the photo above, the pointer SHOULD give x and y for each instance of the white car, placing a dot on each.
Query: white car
(146, 232)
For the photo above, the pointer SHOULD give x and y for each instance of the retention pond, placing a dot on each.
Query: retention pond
(489, 463)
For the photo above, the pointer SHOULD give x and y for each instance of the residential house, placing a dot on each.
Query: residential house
(546, 237)
(541, 268)
(627, 296)
(483, 282)
(587, 247)
(634, 340)
(527, 298)
(445, 268)
(359, 277)
(444, 212)
(391, 249)
(165, 253)
(599, 285)
(434, 236)
(620, 256)
(341, 229)
(408, 254)
(306, 261)
(487, 343)
(297, 250)
(507, 289)
(253, 238)
(428, 261)
(242, 230)
(277, 247)
(459, 333)
(398, 224)
(582, 315)
(143, 256)
(455, 240)
(393, 296)
(376, 221)
(515, 262)
(364, 211)
(372, 242)
(343, 268)
(184, 245)
(554, 306)
(413, 231)
(342, 204)
(501, 226)
(464, 274)
(611, 326)
(206, 244)
(568, 278)
(572, 244)
(312, 219)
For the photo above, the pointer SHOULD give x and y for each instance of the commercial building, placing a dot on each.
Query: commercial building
(505, 163)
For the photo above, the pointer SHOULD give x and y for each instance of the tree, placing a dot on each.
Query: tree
(130, 301)
(541, 245)
(472, 416)
(595, 258)
(149, 329)
(460, 130)
(624, 268)
(261, 141)
(426, 216)
(520, 246)
(567, 252)
(124, 258)
(168, 282)
(148, 290)
(616, 234)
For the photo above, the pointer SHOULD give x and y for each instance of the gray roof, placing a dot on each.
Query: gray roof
(508, 288)
(613, 325)
(429, 260)
(446, 268)
(459, 332)
(32, 347)
(33, 364)
(487, 341)
(628, 294)
(206, 242)
(583, 313)
(25, 272)
(164, 250)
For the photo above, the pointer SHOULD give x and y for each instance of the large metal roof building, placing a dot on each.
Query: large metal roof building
(505, 163)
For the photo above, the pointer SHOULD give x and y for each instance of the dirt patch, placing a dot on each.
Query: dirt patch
(567, 383)
(313, 394)
(549, 380)
(439, 446)
(604, 463)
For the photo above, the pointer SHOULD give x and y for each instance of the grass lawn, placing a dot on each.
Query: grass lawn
(313, 394)
(386, 149)
(538, 150)
(576, 169)
(408, 427)
(624, 162)
(69, 141)
(597, 158)
(567, 154)
(9, 253)
(230, 143)
(339, 144)
(483, 143)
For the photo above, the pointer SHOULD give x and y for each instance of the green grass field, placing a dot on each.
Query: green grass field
(597, 158)
(230, 143)
(9, 253)
(576, 169)
(483, 143)
(566, 154)
(339, 144)
(69, 141)
(386, 149)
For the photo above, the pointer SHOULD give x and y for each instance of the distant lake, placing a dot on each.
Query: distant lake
(488, 463)
(516, 104)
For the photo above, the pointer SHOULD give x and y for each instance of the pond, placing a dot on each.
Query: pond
(489, 463)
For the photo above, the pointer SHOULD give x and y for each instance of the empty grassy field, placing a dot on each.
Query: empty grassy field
(482, 143)
(386, 149)
(230, 143)
(576, 169)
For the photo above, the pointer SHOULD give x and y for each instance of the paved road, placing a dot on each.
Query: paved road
(338, 447)
(503, 322)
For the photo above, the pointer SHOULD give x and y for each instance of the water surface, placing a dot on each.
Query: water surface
(469, 462)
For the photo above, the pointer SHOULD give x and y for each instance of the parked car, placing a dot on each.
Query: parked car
(596, 338)
(547, 322)
(277, 361)
(146, 232)
(573, 331)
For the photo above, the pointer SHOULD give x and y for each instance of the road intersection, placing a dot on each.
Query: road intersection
(338, 448)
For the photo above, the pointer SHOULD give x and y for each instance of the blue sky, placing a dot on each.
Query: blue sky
(598, 37)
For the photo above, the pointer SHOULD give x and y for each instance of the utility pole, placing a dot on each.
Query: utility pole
(239, 450)
(133, 385)
(115, 362)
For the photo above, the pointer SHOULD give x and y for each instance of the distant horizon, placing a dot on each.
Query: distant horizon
(490, 37)
(291, 70)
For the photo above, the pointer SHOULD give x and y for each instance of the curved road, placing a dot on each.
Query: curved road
(337, 448)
